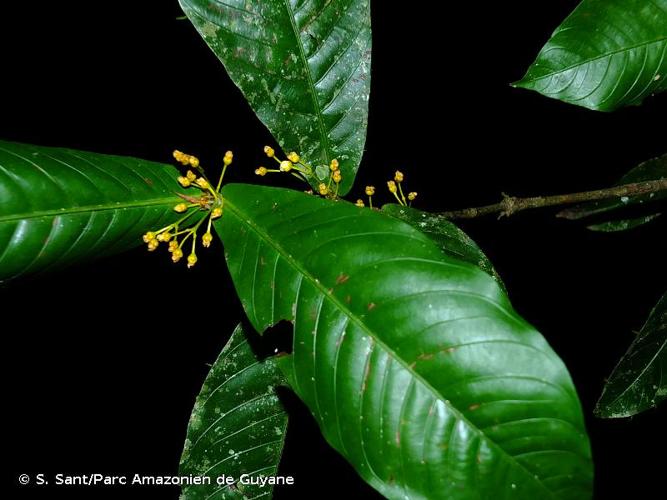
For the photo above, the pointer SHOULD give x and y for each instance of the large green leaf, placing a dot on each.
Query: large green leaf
(59, 206)
(639, 381)
(606, 54)
(452, 240)
(651, 170)
(237, 426)
(304, 67)
(414, 363)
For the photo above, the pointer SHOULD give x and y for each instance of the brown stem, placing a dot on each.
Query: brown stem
(511, 205)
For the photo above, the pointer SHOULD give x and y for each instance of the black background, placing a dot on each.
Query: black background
(99, 372)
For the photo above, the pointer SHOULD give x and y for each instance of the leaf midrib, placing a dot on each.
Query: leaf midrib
(592, 59)
(311, 83)
(245, 219)
(89, 208)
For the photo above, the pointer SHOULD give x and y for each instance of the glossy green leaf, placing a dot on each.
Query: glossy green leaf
(415, 365)
(60, 206)
(304, 67)
(650, 170)
(606, 54)
(237, 426)
(639, 381)
(446, 235)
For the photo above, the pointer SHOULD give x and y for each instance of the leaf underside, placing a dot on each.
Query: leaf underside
(654, 169)
(451, 240)
(606, 54)
(639, 381)
(60, 206)
(304, 67)
(237, 426)
(414, 364)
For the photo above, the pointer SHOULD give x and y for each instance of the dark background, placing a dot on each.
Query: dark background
(100, 375)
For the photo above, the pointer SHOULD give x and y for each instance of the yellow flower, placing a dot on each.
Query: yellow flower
(173, 245)
(192, 260)
(261, 171)
(166, 236)
(184, 181)
(285, 166)
(190, 175)
(150, 235)
(392, 186)
(360, 203)
(398, 176)
(337, 177)
(202, 183)
(293, 157)
(216, 213)
(176, 255)
(370, 190)
(153, 244)
(206, 239)
(323, 189)
(180, 208)
(229, 157)
(269, 151)
(193, 161)
(334, 165)
(412, 196)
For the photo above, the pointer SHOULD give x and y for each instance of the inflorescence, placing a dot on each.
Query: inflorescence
(209, 201)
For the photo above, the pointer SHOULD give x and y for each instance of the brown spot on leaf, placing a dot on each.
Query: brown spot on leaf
(473, 407)
(371, 306)
(342, 279)
(148, 181)
(348, 299)
(425, 357)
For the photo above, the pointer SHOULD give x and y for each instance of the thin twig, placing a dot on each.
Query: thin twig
(511, 204)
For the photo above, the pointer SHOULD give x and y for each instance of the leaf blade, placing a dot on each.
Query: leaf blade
(305, 71)
(240, 385)
(605, 55)
(61, 205)
(639, 381)
(335, 270)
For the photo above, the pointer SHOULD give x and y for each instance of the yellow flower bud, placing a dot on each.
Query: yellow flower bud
(392, 186)
(334, 165)
(261, 171)
(150, 235)
(337, 177)
(193, 161)
(293, 157)
(229, 157)
(216, 213)
(176, 255)
(370, 190)
(323, 189)
(166, 236)
(202, 183)
(269, 151)
(173, 245)
(153, 244)
(412, 196)
(191, 176)
(192, 260)
(285, 166)
(206, 239)
(180, 208)
(360, 203)
(398, 176)
(184, 181)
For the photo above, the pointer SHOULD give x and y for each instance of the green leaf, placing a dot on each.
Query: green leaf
(60, 206)
(414, 364)
(639, 381)
(237, 425)
(622, 225)
(304, 67)
(447, 236)
(606, 54)
(651, 170)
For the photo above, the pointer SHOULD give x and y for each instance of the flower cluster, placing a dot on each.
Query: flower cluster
(209, 201)
(395, 187)
(303, 171)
